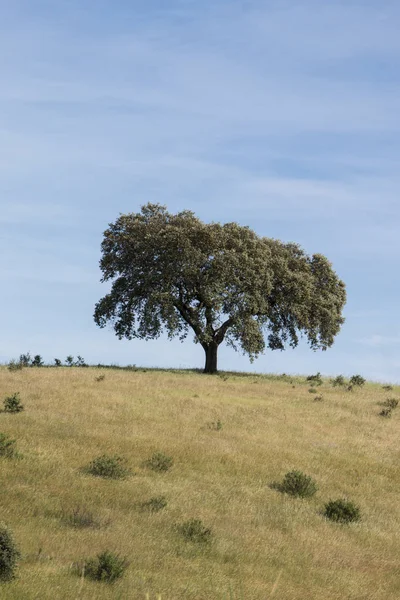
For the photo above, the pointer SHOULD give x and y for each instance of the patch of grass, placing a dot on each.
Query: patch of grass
(342, 511)
(313, 390)
(159, 462)
(12, 404)
(106, 567)
(109, 467)
(215, 425)
(9, 554)
(195, 531)
(318, 398)
(7, 447)
(315, 379)
(391, 403)
(155, 504)
(296, 483)
(100, 377)
(15, 365)
(81, 517)
(387, 388)
(386, 412)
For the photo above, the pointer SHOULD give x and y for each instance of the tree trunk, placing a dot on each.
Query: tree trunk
(211, 358)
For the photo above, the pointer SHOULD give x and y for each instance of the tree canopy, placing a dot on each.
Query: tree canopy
(173, 273)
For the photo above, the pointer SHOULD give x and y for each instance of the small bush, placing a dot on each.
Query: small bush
(9, 554)
(110, 467)
(312, 390)
(315, 379)
(356, 381)
(338, 381)
(215, 425)
(57, 362)
(69, 361)
(386, 412)
(12, 404)
(37, 361)
(195, 531)
(106, 567)
(387, 388)
(159, 462)
(342, 511)
(392, 403)
(100, 378)
(25, 359)
(80, 362)
(7, 446)
(155, 504)
(81, 517)
(14, 365)
(296, 483)
(318, 398)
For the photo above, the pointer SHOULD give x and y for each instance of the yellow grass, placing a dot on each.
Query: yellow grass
(266, 544)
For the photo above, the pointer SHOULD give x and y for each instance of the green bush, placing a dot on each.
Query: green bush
(312, 390)
(388, 388)
(9, 554)
(155, 504)
(37, 361)
(106, 567)
(194, 531)
(159, 462)
(338, 381)
(7, 446)
(57, 362)
(356, 381)
(14, 365)
(12, 404)
(315, 379)
(391, 402)
(110, 467)
(342, 511)
(296, 483)
(81, 517)
(25, 359)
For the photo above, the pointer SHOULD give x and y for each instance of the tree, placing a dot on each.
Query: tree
(174, 273)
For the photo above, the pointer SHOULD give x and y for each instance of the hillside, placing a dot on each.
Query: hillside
(231, 437)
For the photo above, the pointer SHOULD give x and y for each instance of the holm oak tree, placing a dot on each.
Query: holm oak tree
(173, 273)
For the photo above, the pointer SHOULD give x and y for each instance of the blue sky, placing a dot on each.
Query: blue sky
(281, 115)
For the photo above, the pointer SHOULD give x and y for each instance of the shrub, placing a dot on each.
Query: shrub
(155, 504)
(14, 365)
(57, 362)
(37, 361)
(9, 554)
(342, 511)
(318, 398)
(215, 425)
(315, 379)
(111, 467)
(356, 381)
(160, 462)
(391, 402)
(296, 483)
(106, 567)
(312, 390)
(7, 446)
(195, 531)
(386, 412)
(69, 361)
(12, 404)
(81, 517)
(25, 359)
(80, 362)
(338, 381)
(388, 388)
(100, 378)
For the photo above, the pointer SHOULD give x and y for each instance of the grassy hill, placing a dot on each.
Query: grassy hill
(231, 437)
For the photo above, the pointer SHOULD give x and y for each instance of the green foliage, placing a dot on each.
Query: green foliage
(159, 462)
(338, 381)
(315, 379)
(57, 362)
(37, 361)
(312, 390)
(12, 404)
(7, 446)
(195, 531)
(391, 403)
(106, 566)
(25, 359)
(386, 412)
(388, 388)
(110, 467)
(69, 361)
(9, 554)
(155, 504)
(342, 511)
(174, 273)
(14, 365)
(80, 362)
(296, 483)
(356, 381)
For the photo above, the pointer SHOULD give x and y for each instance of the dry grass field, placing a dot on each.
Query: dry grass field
(265, 544)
